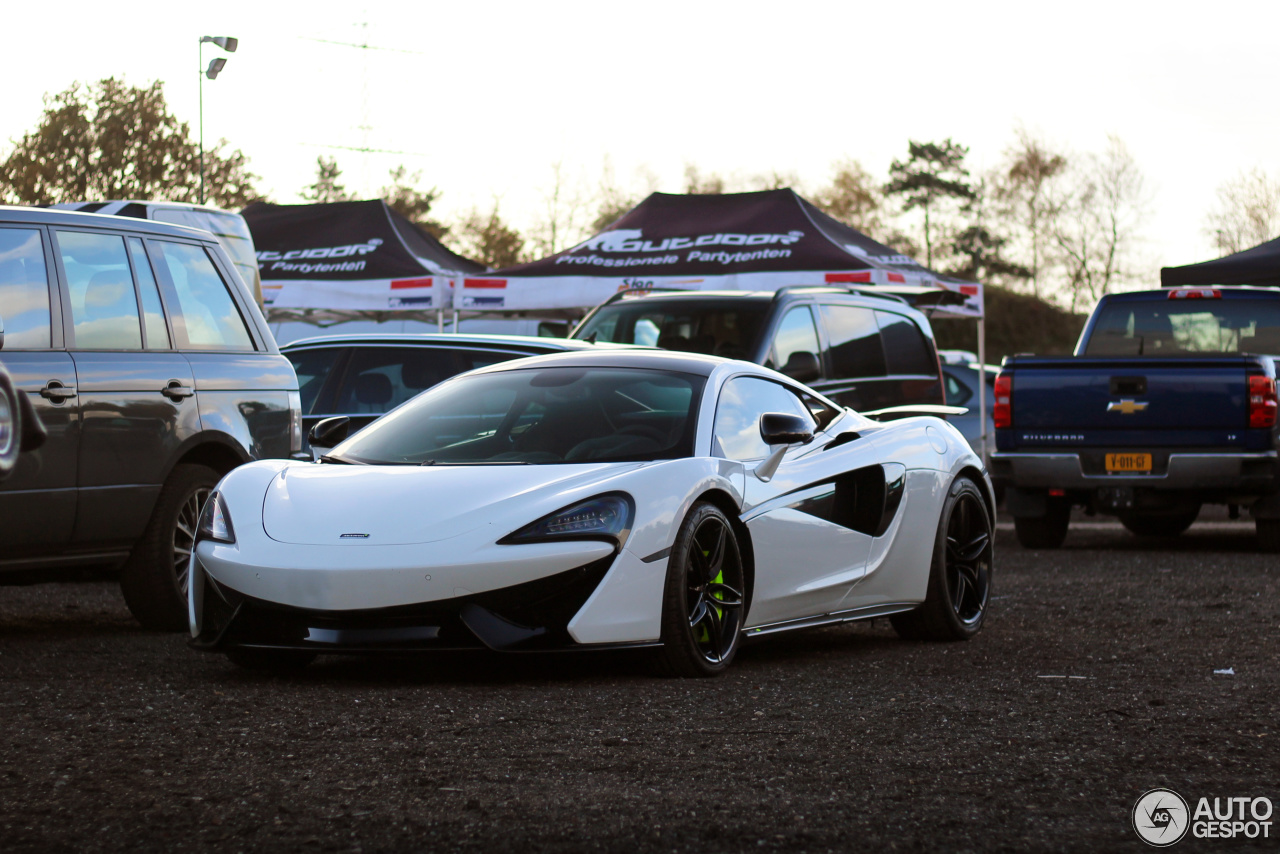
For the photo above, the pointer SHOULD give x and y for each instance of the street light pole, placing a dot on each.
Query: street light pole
(229, 44)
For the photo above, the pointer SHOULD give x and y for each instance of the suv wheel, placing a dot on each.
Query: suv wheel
(155, 578)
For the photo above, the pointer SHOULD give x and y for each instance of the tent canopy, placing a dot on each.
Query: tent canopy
(350, 256)
(1257, 266)
(742, 241)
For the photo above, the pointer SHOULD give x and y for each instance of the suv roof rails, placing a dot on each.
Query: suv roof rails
(633, 291)
(839, 289)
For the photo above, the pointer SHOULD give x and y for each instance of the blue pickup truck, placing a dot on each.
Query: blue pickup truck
(1169, 403)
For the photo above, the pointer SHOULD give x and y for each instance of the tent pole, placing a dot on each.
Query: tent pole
(982, 387)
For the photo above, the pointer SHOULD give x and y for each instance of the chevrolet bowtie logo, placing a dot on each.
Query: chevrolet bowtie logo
(1126, 407)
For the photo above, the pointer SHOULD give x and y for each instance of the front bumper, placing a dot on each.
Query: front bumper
(1249, 473)
(527, 617)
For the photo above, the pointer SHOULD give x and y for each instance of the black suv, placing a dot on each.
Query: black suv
(867, 351)
(154, 374)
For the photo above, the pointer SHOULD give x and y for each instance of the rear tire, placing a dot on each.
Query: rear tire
(955, 604)
(704, 601)
(1268, 535)
(1158, 526)
(1047, 531)
(270, 660)
(155, 578)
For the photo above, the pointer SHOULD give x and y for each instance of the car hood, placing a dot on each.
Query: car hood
(401, 505)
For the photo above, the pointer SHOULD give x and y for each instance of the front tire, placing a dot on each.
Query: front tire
(155, 578)
(955, 604)
(704, 600)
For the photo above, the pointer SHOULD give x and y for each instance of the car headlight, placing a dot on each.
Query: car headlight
(605, 517)
(215, 521)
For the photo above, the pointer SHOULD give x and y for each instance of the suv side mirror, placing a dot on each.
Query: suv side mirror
(779, 428)
(329, 432)
(802, 366)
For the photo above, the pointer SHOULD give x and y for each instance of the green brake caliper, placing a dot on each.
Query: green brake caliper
(704, 634)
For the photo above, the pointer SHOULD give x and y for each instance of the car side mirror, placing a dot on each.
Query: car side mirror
(783, 428)
(802, 366)
(780, 430)
(1, 333)
(329, 432)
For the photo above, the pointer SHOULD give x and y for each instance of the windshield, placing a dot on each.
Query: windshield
(693, 326)
(537, 416)
(1186, 327)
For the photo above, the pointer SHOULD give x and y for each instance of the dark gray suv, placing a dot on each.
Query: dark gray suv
(862, 349)
(154, 374)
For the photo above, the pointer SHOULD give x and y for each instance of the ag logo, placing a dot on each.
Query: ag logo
(1161, 817)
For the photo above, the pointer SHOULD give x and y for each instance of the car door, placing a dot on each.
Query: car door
(243, 390)
(136, 394)
(805, 563)
(38, 503)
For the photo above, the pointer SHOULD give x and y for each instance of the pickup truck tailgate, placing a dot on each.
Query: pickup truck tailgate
(1132, 401)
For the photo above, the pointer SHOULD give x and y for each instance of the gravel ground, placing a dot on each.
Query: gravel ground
(1092, 682)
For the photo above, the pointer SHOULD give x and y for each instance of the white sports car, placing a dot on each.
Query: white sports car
(597, 500)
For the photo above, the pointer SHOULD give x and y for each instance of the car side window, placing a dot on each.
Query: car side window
(856, 350)
(737, 426)
(24, 290)
(203, 312)
(378, 379)
(312, 367)
(957, 393)
(104, 304)
(796, 334)
(152, 312)
(906, 349)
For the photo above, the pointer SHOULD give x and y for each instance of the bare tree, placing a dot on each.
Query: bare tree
(1027, 197)
(565, 216)
(1098, 228)
(1247, 212)
(854, 198)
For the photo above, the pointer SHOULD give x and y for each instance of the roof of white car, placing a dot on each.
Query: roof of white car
(659, 360)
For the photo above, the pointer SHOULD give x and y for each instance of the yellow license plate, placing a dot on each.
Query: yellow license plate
(1129, 462)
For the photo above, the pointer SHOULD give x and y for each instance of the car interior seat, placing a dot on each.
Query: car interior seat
(373, 392)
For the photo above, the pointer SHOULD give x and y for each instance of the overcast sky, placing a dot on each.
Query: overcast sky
(484, 97)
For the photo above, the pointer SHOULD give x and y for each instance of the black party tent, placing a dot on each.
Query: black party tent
(1257, 266)
(740, 241)
(352, 257)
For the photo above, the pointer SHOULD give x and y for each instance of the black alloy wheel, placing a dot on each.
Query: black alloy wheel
(959, 590)
(705, 597)
(968, 559)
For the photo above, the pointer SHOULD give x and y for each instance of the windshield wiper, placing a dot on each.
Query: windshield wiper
(330, 458)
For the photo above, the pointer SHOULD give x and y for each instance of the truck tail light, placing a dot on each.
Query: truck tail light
(1262, 401)
(1002, 412)
(1195, 293)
